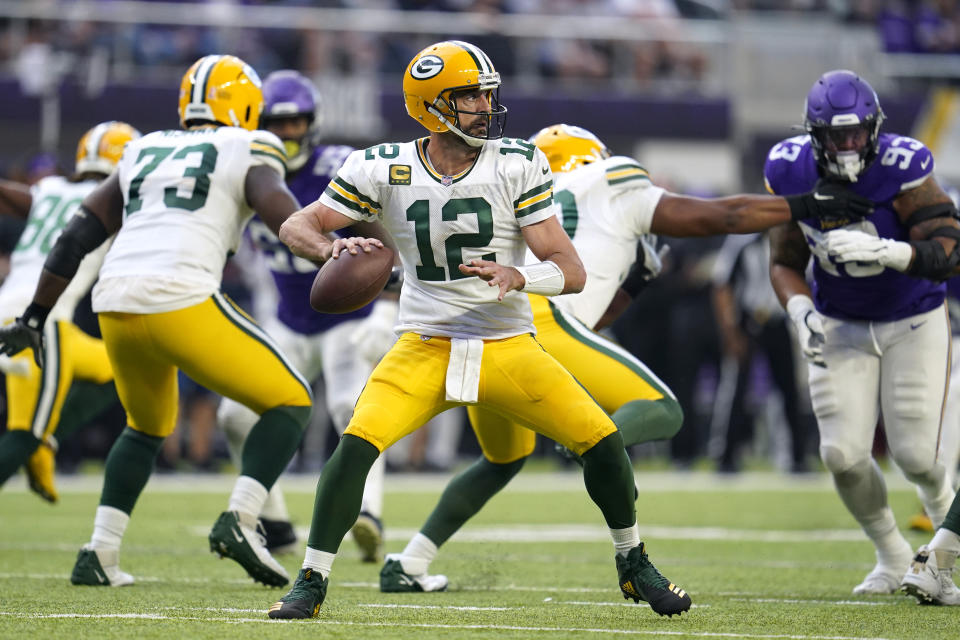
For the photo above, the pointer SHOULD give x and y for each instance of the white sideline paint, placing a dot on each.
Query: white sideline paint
(452, 627)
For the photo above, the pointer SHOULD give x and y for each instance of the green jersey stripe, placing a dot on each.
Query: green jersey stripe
(532, 192)
(628, 178)
(349, 188)
(543, 204)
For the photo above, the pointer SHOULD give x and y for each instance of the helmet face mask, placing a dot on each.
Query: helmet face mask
(439, 77)
(288, 96)
(100, 148)
(220, 90)
(843, 117)
(568, 147)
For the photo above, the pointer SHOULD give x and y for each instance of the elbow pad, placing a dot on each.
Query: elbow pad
(930, 258)
(84, 233)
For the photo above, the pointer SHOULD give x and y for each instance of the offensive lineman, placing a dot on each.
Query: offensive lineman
(39, 412)
(178, 203)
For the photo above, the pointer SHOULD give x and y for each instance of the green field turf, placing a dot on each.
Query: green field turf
(763, 556)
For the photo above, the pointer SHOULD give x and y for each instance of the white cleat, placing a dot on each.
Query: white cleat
(928, 583)
(881, 581)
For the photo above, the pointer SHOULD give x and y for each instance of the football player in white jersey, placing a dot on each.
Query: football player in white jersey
(38, 411)
(178, 203)
(462, 206)
(608, 206)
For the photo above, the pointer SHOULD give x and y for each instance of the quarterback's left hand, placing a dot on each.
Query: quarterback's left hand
(848, 245)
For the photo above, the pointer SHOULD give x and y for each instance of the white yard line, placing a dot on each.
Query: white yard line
(527, 482)
(452, 627)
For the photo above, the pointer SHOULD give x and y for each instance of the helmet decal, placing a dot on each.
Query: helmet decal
(427, 67)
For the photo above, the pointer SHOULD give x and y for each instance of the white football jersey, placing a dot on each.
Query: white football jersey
(55, 201)
(184, 211)
(605, 207)
(439, 222)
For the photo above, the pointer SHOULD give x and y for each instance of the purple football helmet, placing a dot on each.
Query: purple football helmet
(843, 117)
(288, 94)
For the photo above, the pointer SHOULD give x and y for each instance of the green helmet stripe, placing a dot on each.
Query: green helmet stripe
(202, 78)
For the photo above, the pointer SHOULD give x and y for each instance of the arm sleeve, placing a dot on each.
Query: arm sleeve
(353, 191)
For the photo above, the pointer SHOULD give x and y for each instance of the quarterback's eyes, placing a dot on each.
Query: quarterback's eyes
(471, 96)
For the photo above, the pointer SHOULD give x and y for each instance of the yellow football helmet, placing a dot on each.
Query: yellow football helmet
(568, 147)
(221, 90)
(100, 148)
(440, 70)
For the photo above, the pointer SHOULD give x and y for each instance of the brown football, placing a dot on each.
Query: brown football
(351, 281)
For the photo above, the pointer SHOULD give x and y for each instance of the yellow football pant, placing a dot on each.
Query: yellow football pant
(214, 343)
(35, 400)
(518, 379)
(608, 372)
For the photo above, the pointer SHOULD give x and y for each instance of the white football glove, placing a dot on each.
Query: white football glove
(374, 335)
(848, 245)
(652, 257)
(809, 326)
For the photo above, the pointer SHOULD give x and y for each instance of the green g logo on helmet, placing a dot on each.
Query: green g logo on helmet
(427, 67)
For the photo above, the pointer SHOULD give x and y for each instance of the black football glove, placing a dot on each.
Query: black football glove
(830, 200)
(25, 332)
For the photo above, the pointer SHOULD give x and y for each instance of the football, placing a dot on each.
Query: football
(351, 281)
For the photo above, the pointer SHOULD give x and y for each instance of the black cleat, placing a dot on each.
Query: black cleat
(640, 580)
(304, 598)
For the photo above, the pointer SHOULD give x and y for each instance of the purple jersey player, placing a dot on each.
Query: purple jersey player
(874, 330)
(348, 344)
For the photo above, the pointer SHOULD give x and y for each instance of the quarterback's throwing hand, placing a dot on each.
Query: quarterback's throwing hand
(850, 245)
(17, 336)
(496, 275)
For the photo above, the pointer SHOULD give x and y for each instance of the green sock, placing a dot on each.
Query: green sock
(645, 420)
(465, 495)
(609, 479)
(15, 448)
(85, 401)
(272, 442)
(952, 519)
(129, 465)
(339, 492)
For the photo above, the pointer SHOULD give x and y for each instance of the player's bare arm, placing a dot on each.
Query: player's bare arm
(305, 231)
(789, 254)
(684, 216)
(15, 199)
(267, 194)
